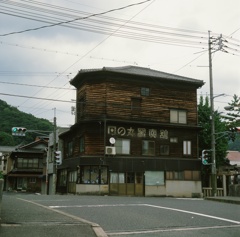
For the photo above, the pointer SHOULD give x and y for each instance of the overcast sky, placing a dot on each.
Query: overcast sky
(169, 36)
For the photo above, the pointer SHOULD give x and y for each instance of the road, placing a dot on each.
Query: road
(148, 216)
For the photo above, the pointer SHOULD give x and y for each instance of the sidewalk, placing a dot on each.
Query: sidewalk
(226, 199)
(26, 219)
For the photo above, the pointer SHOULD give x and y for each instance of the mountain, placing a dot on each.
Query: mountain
(10, 117)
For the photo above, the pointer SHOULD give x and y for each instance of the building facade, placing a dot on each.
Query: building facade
(26, 167)
(136, 133)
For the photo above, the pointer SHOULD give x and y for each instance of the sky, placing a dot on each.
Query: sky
(43, 45)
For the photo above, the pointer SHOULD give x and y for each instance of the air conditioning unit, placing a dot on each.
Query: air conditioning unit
(110, 150)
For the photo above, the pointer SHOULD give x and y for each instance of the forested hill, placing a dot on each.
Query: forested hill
(11, 117)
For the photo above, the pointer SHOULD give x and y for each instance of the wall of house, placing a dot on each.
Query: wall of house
(91, 189)
(111, 97)
(183, 188)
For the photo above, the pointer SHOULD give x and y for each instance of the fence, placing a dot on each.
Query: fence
(207, 192)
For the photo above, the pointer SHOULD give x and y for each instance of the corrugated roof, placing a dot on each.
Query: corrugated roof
(141, 71)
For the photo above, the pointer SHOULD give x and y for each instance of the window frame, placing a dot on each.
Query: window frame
(123, 146)
(148, 151)
(187, 148)
(176, 116)
(145, 91)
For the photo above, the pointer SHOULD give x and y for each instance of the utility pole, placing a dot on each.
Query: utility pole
(213, 140)
(54, 149)
(213, 176)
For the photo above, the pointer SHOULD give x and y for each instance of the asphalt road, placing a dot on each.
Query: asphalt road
(148, 216)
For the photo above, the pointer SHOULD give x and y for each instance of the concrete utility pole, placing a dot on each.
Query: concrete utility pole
(213, 140)
(54, 149)
(213, 176)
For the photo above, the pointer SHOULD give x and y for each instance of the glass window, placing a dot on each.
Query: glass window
(136, 105)
(173, 139)
(145, 91)
(164, 149)
(94, 175)
(122, 146)
(178, 116)
(81, 144)
(187, 148)
(148, 148)
(154, 178)
(70, 148)
(117, 178)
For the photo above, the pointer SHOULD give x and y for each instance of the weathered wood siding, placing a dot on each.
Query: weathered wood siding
(113, 99)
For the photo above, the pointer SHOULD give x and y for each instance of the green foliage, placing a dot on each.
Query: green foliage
(12, 117)
(232, 120)
(221, 138)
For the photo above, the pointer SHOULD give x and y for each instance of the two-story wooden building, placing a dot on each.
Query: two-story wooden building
(136, 133)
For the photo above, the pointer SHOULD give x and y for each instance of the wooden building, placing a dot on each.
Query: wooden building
(26, 167)
(136, 133)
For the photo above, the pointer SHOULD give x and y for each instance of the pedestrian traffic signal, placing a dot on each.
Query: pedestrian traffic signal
(19, 131)
(58, 157)
(206, 157)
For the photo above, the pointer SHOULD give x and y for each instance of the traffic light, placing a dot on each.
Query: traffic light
(58, 157)
(19, 131)
(206, 157)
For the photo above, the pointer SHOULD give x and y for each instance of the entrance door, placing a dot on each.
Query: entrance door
(129, 183)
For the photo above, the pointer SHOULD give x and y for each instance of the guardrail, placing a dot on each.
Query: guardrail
(207, 192)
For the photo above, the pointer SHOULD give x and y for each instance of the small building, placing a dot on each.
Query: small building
(26, 168)
(136, 133)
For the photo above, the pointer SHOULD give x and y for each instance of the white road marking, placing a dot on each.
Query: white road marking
(169, 230)
(154, 206)
(194, 213)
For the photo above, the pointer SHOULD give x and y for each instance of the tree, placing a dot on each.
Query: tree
(221, 138)
(232, 120)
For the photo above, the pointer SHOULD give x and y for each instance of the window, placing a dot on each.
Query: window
(178, 116)
(164, 149)
(28, 163)
(187, 148)
(72, 176)
(81, 107)
(173, 139)
(32, 180)
(175, 175)
(145, 91)
(94, 175)
(136, 105)
(70, 148)
(122, 146)
(148, 148)
(154, 178)
(63, 178)
(82, 144)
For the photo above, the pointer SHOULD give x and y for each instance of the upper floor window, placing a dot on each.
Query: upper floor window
(122, 146)
(164, 149)
(70, 148)
(148, 148)
(82, 144)
(178, 116)
(187, 150)
(136, 105)
(28, 163)
(145, 91)
(81, 106)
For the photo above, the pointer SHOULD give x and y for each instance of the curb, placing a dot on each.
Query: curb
(223, 200)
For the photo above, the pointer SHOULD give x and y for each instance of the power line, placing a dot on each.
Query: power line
(49, 87)
(76, 19)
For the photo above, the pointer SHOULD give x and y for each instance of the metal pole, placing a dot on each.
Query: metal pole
(213, 176)
(54, 149)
